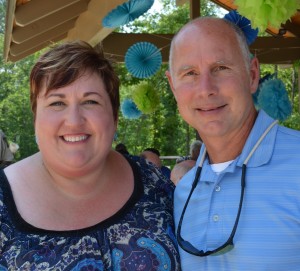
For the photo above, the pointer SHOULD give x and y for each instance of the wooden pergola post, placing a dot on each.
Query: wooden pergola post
(195, 9)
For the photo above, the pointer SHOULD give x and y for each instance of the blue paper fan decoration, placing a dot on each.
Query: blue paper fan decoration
(126, 12)
(130, 110)
(261, 80)
(244, 24)
(143, 59)
(273, 99)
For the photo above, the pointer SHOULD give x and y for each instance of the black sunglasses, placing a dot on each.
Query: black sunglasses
(228, 245)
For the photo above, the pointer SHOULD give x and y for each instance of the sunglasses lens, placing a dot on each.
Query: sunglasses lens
(224, 250)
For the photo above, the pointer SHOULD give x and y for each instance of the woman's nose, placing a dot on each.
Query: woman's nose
(74, 116)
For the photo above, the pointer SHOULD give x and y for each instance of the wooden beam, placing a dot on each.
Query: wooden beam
(35, 49)
(60, 29)
(275, 43)
(92, 18)
(116, 44)
(282, 50)
(21, 34)
(17, 49)
(10, 11)
(295, 30)
(34, 10)
(278, 56)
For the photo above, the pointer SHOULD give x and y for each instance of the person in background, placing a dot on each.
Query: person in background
(121, 148)
(194, 152)
(6, 155)
(238, 209)
(153, 155)
(180, 169)
(195, 149)
(77, 204)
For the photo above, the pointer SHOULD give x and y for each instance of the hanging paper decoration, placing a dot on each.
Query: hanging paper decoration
(274, 100)
(145, 97)
(262, 13)
(130, 110)
(143, 59)
(261, 80)
(244, 24)
(126, 13)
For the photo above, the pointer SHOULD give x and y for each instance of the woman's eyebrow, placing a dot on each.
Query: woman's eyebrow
(91, 93)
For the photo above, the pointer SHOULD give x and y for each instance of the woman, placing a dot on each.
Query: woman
(77, 204)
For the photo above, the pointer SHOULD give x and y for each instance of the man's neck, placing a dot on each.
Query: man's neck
(227, 148)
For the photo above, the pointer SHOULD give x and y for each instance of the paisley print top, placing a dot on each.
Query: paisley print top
(140, 236)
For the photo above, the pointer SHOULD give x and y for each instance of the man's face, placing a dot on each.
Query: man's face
(210, 79)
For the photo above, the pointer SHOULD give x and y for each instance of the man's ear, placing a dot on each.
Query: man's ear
(168, 75)
(254, 75)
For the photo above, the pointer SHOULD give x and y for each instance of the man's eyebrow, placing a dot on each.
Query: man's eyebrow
(185, 68)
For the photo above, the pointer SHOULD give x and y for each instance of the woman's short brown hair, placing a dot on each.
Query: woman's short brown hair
(65, 63)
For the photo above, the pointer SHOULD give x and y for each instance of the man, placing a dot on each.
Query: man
(248, 191)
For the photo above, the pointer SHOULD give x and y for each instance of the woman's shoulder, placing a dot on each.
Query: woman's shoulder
(152, 177)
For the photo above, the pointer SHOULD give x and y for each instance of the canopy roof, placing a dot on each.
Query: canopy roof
(32, 25)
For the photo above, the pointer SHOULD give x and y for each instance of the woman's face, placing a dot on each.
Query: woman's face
(75, 126)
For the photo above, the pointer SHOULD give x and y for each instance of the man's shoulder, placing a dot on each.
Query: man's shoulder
(289, 134)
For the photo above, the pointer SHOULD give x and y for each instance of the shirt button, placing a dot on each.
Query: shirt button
(216, 218)
(218, 188)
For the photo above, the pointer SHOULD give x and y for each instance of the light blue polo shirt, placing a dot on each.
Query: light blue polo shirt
(268, 233)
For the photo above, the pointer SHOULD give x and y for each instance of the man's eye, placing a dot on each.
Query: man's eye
(190, 73)
(221, 68)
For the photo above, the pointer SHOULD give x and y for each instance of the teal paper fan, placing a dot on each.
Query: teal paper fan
(143, 59)
(127, 12)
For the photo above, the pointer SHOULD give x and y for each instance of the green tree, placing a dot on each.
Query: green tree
(15, 114)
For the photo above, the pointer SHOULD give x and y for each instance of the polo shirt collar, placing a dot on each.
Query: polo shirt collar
(263, 153)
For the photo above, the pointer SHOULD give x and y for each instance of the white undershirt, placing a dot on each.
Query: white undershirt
(218, 168)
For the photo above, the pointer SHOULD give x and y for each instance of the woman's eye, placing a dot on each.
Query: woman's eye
(91, 102)
(58, 103)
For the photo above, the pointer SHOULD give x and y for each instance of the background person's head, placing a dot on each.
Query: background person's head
(152, 155)
(121, 148)
(180, 169)
(195, 149)
(65, 63)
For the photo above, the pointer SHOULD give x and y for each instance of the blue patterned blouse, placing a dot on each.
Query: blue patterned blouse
(138, 237)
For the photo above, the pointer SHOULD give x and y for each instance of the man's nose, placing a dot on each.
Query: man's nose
(207, 84)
